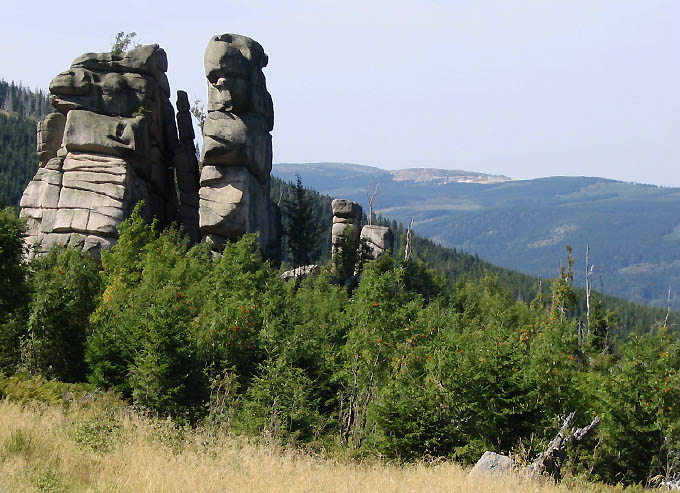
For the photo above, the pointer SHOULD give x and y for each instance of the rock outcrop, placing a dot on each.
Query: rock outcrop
(111, 143)
(346, 221)
(237, 147)
(379, 239)
(301, 272)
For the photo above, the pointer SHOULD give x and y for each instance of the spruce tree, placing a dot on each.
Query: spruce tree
(302, 228)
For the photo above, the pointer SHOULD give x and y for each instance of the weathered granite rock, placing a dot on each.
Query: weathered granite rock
(50, 135)
(237, 149)
(301, 272)
(492, 463)
(238, 141)
(117, 136)
(186, 166)
(380, 239)
(112, 143)
(346, 221)
(346, 209)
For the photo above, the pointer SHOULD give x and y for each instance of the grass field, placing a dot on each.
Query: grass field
(86, 447)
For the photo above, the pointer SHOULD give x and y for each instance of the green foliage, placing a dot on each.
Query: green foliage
(48, 480)
(198, 111)
(238, 309)
(98, 430)
(563, 295)
(282, 192)
(379, 319)
(66, 287)
(18, 159)
(23, 102)
(302, 229)
(13, 289)
(280, 403)
(454, 265)
(140, 342)
(123, 42)
(23, 388)
(637, 399)
(599, 326)
(352, 252)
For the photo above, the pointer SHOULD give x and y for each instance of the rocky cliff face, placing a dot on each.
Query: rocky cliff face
(237, 147)
(112, 142)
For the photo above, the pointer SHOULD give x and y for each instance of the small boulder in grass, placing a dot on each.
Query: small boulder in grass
(492, 463)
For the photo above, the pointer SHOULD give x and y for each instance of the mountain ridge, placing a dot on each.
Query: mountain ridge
(633, 230)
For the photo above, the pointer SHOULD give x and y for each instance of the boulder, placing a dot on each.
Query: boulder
(491, 463)
(301, 272)
(346, 209)
(380, 239)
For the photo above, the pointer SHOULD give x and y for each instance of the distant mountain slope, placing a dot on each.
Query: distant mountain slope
(18, 159)
(633, 230)
(21, 101)
(20, 108)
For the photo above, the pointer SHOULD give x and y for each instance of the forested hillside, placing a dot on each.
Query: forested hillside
(455, 265)
(22, 101)
(633, 230)
(20, 108)
(18, 160)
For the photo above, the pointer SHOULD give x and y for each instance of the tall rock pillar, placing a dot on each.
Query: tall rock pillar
(186, 169)
(346, 220)
(237, 146)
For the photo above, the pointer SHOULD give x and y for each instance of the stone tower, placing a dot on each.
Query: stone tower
(237, 146)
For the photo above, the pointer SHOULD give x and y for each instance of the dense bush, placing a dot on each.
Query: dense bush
(13, 288)
(65, 284)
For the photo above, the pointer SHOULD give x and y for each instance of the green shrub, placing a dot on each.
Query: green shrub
(66, 286)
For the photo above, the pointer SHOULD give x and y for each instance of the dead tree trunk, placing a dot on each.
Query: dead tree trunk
(371, 198)
(668, 307)
(589, 285)
(409, 241)
(549, 463)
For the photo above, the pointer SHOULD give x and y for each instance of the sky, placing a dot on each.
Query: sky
(515, 87)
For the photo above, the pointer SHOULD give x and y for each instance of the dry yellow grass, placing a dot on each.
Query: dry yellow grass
(47, 448)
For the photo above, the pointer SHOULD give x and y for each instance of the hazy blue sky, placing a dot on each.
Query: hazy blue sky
(521, 88)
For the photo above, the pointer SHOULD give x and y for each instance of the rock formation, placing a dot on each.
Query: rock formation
(112, 142)
(237, 147)
(379, 239)
(346, 220)
(301, 272)
(186, 169)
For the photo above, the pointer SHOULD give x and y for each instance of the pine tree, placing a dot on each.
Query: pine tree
(302, 228)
